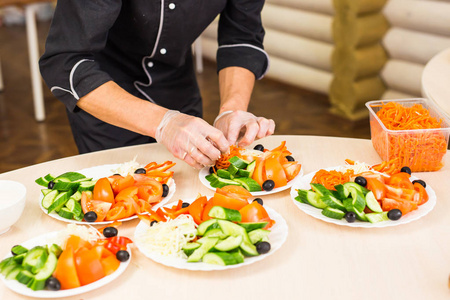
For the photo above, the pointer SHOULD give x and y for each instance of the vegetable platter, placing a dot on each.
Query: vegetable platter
(359, 195)
(223, 232)
(65, 263)
(107, 193)
(259, 170)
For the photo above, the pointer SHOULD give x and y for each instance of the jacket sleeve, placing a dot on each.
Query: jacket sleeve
(240, 37)
(79, 29)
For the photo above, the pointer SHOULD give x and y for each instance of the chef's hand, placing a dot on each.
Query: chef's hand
(191, 139)
(243, 127)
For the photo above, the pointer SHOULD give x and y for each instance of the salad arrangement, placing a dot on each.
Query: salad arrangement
(79, 256)
(222, 230)
(74, 196)
(256, 170)
(359, 192)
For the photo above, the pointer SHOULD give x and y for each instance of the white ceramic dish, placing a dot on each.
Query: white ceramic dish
(12, 202)
(22, 289)
(103, 171)
(277, 237)
(205, 171)
(305, 181)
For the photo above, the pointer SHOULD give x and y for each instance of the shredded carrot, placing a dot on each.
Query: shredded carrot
(222, 162)
(420, 150)
(331, 178)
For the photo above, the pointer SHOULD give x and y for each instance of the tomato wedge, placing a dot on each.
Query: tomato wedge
(254, 212)
(275, 171)
(99, 207)
(377, 187)
(240, 191)
(65, 270)
(421, 191)
(405, 206)
(196, 208)
(259, 175)
(119, 183)
(88, 265)
(110, 264)
(149, 189)
(103, 191)
(291, 169)
(401, 179)
(76, 242)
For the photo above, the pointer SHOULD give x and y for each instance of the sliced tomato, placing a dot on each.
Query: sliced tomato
(66, 271)
(291, 169)
(377, 187)
(128, 193)
(116, 213)
(235, 190)
(149, 190)
(120, 240)
(228, 201)
(120, 183)
(210, 204)
(196, 208)
(400, 179)
(275, 171)
(405, 206)
(421, 192)
(103, 191)
(88, 265)
(259, 174)
(254, 212)
(76, 242)
(110, 264)
(101, 208)
(102, 252)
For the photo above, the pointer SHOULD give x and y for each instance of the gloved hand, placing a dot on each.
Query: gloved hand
(243, 127)
(191, 139)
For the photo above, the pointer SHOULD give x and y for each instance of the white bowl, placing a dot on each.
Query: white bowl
(12, 203)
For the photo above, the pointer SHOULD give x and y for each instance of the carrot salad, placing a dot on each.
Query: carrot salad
(422, 150)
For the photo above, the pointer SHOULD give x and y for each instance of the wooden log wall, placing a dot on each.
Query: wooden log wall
(419, 30)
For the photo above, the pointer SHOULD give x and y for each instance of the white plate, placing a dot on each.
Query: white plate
(22, 289)
(205, 171)
(104, 171)
(277, 237)
(305, 181)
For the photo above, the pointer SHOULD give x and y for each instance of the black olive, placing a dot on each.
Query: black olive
(350, 217)
(259, 147)
(140, 171)
(406, 170)
(268, 185)
(420, 181)
(122, 255)
(361, 181)
(290, 158)
(184, 205)
(153, 222)
(259, 200)
(51, 184)
(165, 190)
(53, 284)
(117, 174)
(394, 214)
(263, 247)
(110, 232)
(211, 170)
(90, 216)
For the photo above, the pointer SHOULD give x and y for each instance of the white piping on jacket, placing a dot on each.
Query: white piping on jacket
(254, 47)
(158, 36)
(72, 72)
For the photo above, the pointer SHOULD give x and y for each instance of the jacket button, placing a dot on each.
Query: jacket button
(163, 51)
(172, 5)
(150, 64)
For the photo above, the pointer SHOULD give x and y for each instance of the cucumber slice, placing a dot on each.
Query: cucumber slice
(18, 249)
(243, 173)
(253, 225)
(377, 217)
(221, 182)
(341, 191)
(238, 256)
(311, 198)
(69, 176)
(224, 174)
(49, 198)
(76, 196)
(6, 262)
(35, 259)
(354, 185)
(86, 186)
(49, 177)
(66, 186)
(207, 225)
(219, 212)
(189, 248)
(220, 258)
(232, 169)
(249, 184)
(320, 189)
(207, 244)
(230, 228)
(24, 276)
(251, 168)
(59, 202)
(358, 199)
(230, 243)
(238, 162)
(46, 271)
(13, 273)
(74, 207)
(211, 177)
(259, 235)
(215, 232)
(65, 213)
(372, 203)
(333, 213)
(55, 249)
(248, 248)
(333, 202)
(45, 191)
(42, 181)
(19, 258)
(7, 269)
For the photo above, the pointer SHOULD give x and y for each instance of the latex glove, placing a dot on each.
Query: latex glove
(243, 127)
(191, 139)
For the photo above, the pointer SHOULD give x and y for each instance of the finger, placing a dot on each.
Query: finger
(271, 127)
(263, 128)
(252, 129)
(200, 158)
(208, 149)
(192, 162)
(218, 141)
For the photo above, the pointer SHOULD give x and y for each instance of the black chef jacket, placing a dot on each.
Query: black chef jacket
(145, 47)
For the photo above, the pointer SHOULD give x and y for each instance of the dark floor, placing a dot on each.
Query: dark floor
(23, 141)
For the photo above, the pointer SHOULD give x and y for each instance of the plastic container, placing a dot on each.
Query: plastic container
(422, 150)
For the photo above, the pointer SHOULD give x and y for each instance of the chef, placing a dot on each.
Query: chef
(124, 71)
